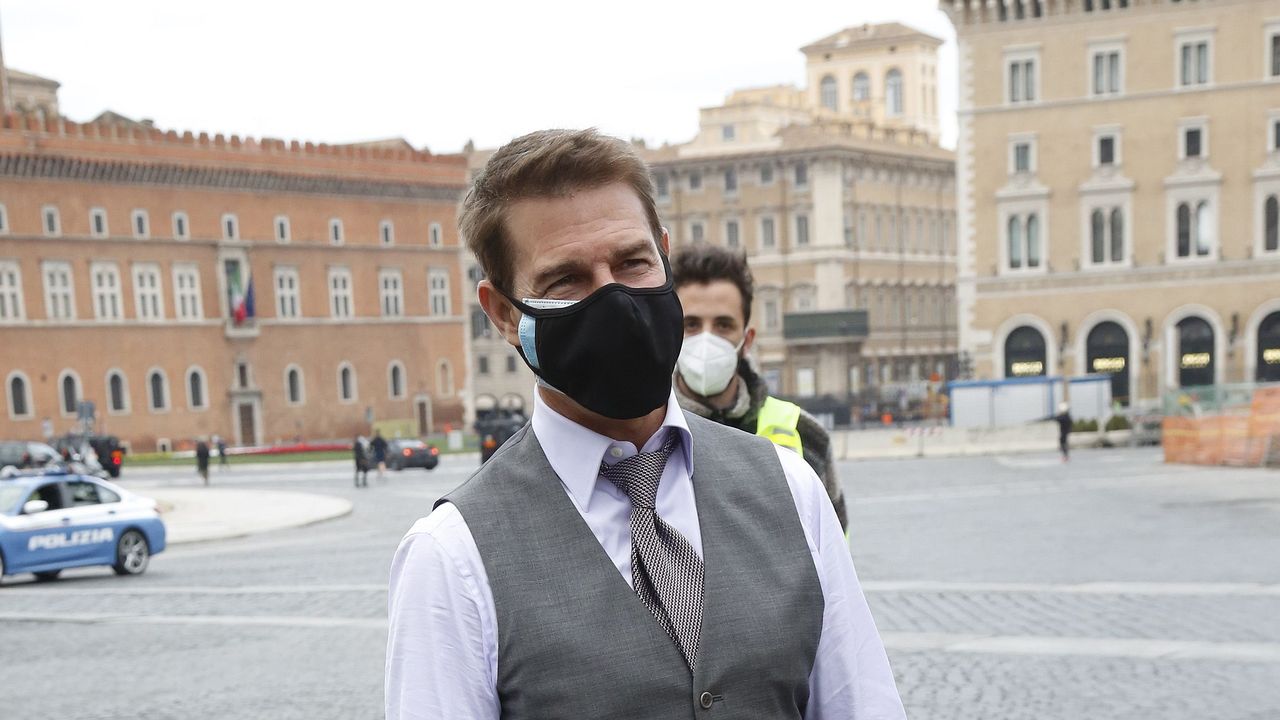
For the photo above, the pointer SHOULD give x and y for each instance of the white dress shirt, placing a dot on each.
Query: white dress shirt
(442, 650)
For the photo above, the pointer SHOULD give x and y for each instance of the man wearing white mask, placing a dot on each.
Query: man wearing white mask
(715, 377)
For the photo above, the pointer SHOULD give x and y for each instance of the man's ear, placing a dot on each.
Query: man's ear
(665, 242)
(748, 340)
(504, 316)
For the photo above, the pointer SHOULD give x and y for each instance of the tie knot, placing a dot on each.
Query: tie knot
(638, 476)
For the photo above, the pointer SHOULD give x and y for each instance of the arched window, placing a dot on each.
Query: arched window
(69, 392)
(1024, 353)
(346, 383)
(1195, 352)
(1107, 353)
(1117, 235)
(1015, 242)
(827, 94)
(893, 92)
(195, 389)
(1033, 241)
(395, 380)
(117, 394)
(1184, 230)
(861, 87)
(1271, 238)
(1204, 228)
(157, 388)
(19, 396)
(293, 385)
(1097, 229)
(1268, 366)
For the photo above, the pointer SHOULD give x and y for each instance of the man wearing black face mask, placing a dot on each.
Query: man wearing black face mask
(618, 557)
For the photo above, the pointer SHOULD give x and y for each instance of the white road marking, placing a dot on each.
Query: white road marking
(1091, 588)
(900, 641)
(50, 591)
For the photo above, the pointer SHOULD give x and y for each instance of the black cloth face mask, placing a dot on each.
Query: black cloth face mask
(612, 352)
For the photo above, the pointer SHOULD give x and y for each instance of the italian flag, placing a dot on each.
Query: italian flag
(241, 299)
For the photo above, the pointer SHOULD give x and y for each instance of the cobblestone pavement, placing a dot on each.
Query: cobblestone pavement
(1016, 587)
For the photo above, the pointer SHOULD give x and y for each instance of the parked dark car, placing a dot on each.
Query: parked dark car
(406, 453)
(26, 454)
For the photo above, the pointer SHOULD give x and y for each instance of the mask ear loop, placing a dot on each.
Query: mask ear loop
(527, 343)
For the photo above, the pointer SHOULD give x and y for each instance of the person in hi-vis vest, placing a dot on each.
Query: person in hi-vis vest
(715, 377)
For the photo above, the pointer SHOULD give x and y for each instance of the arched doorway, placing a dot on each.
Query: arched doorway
(1024, 353)
(1269, 349)
(1107, 352)
(1195, 352)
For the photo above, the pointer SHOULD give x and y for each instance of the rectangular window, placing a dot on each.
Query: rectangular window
(230, 227)
(482, 364)
(1275, 134)
(4, 221)
(1021, 79)
(335, 231)
(695, 232)
(771, 320)
(802, 175)
(391, 293)
(283, 234)
(98, 222)
(1191, 142)
(181, 229)
(1275, 54)
(141, 224)
(1106, 150)
(1194, 62)
(286, 283)
(186, 292)
(805, 386)
(1106, 72)
(106, 291)
(726, 133)
(340, 305)
(695, 181)
(59, 293)
(438, 291)
(52, 221)
(511, 363)
(1022, 157)
(387, 233)
(148, 300)
(731, 233)
(766, 174)
(730, 181)
(661, 185)
(11, 308)
(768, 237)
(802, 230)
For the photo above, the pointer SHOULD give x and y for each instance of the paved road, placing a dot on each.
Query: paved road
(1111, 587)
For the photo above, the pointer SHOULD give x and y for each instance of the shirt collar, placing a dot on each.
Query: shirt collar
(575, 452)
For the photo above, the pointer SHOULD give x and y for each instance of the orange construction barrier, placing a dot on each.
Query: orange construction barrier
(1243, 439)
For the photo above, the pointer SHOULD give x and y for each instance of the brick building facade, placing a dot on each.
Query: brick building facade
(125, 251)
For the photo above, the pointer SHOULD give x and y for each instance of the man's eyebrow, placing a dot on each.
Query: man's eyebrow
(566, 267)
(631, 248)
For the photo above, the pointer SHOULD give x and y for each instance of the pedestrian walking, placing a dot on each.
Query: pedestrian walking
(379, 446)
(1064, 430)
(202, 460)
(361, 451)
(612, 584)
(222, 452)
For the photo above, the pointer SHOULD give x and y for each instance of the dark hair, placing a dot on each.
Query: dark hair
(544, 164)
(701, 264)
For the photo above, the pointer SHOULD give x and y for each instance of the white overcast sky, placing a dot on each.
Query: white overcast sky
(435, 73)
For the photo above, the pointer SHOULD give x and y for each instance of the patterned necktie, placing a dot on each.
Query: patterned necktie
(665, 571)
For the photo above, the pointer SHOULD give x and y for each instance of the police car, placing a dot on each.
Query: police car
(52, 520)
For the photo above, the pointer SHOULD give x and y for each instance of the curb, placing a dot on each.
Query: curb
(194, 515)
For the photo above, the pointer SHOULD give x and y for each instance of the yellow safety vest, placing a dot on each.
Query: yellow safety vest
(778, 420)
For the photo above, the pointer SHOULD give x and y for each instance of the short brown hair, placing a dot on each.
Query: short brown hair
(544, 164)
(701, 264)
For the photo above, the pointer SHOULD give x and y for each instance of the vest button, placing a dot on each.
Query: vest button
(705, 700)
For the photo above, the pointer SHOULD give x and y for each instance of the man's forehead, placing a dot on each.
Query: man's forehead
(716, 297)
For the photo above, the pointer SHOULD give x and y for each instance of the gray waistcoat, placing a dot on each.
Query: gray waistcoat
(574, 641)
